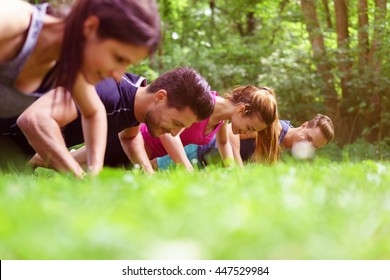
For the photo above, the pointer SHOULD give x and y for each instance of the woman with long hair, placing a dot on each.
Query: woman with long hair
(39, 51)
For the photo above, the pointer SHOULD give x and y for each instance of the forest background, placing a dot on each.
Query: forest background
(320, 56)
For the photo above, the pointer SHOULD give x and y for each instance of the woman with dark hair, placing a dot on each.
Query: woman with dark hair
(38, 52)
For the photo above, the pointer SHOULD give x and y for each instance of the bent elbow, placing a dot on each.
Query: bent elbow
(28, 122)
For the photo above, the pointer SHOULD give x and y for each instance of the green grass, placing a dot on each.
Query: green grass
(293, 210)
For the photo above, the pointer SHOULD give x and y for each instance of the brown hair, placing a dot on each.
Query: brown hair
(262, 103)
(325, 124)
(185, 87)
(129, 21)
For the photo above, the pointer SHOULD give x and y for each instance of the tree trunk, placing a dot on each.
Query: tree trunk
(363, 39)
(343, 60)
(347, 118)
(319, 53)
(212, 19)
(373, 117)
(250, 23)
(363, 88)
(327, 14)
(379, 31)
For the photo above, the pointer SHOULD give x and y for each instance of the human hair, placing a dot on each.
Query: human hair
(128, 21)
(262, 103)
(325, 124)
(185, 87)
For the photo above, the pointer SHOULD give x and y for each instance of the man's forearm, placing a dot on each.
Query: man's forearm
(135, 151)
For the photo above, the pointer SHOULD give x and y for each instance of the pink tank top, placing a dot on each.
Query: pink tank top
(195, 134)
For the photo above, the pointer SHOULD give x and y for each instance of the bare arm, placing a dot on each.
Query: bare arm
(94, 122)
(133, 146)
(37, 161)
(175, 150)
(15, 18)
(224, 146)
(80, 155)
(41, 124)
(235, 143)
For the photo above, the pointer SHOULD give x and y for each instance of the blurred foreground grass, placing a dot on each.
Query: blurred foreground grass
(293, 210)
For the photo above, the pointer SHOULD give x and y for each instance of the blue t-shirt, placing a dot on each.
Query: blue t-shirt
(118, 99)
(247, 146)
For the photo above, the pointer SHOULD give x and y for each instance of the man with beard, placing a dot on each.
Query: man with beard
(172, 102)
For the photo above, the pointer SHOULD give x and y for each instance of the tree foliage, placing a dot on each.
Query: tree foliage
(320, 56)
